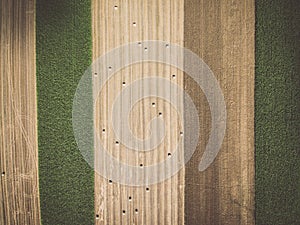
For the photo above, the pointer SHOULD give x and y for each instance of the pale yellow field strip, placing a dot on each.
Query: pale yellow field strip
(117, 23)
(19, 194)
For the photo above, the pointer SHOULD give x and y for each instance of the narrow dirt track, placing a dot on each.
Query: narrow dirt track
(19, 192)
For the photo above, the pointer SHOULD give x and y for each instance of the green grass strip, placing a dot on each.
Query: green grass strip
(63, 32)
(277, 112)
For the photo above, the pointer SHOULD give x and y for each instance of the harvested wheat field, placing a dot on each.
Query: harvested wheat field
(20, 202)
(149, 112)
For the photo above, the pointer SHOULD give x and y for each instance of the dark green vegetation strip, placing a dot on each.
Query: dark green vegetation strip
(277, 113)
(63, 54)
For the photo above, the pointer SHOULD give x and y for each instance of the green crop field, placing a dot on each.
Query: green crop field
(63, 53)
(277, 112)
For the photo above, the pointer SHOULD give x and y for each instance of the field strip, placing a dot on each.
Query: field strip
(222, 34)
(117, 23)
(19, 154)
